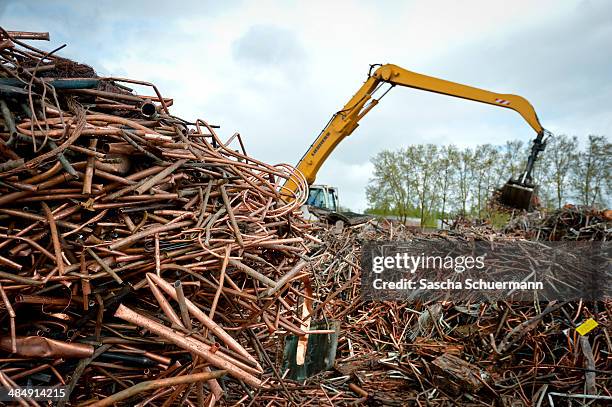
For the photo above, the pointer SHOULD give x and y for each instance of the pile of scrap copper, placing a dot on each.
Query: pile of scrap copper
(142, 259)
(568, 223)
(444, 353)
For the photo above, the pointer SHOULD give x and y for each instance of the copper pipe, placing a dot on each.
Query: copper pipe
(12, 315)
(161, 359)
(156, 384)
(253, 273)
(157, 255)
(32, 216)
(28, 35)
(104, 265)
(186, 343)
(151, 231)
(119, 148)
(45, 175)
(159, 176)
(89, 170)
(163, 303)
(202, 317)
(230, 213)
(180, 298)
(9, 384)
(10, 263)
(57, 247)
(115, 163)
(38, 299)
(39, 347)
(213, 307)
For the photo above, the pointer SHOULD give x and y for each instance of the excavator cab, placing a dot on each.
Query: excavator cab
(323, 196)
(521, 193)
(322, 202)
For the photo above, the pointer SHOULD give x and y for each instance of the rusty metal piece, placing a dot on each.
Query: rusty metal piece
(28, 35)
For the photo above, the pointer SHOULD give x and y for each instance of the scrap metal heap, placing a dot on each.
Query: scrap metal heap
(445, 353)
(143, 260)
(112, 211)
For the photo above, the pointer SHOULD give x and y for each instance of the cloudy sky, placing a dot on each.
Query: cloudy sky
(276, 71)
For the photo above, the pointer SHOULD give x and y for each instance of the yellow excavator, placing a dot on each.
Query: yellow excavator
(517, 193)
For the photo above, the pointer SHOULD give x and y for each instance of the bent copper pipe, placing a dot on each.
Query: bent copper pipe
(39, 347)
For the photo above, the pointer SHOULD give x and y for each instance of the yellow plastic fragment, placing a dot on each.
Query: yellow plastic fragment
(587, 326)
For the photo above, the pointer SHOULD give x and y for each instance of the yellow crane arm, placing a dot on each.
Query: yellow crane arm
(344, 122)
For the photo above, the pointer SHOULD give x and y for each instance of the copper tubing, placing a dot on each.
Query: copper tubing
(253, 273)
(157, 255)
(158, 358)
(202, 317)
(148, 109)
(28, 35)
(12, 315)
(104, 265)
(186, 343)
(32, 216)
(87, 151)
(39, 347)
(14, 196)
(10, 263)
(230, 212)
(358, 390)
(38, 299)
(85, 285)
(285, 279)
(151, 231)
(213, 307)
(180, 298)
(173, 217)
(31, 242)
(57, 247)
(114, 163)
(89, 170)
(60, 132)
(163, 303)
(32, 371)
(159, 176)
(156, 384)
(119, 148)
(10, 384)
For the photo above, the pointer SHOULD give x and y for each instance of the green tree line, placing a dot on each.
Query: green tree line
(433, 182)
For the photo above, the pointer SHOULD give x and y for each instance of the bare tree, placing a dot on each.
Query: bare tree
(484, 160)
(388, 189)
(449, 161)
(591, 173)
(464, 173)
(426, 179)
(560, 156)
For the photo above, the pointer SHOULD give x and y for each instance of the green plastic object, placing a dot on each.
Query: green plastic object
(320, 351)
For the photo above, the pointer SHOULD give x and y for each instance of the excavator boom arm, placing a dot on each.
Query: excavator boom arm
(344, 122)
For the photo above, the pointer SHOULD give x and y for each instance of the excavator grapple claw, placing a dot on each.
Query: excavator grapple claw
(519, 196)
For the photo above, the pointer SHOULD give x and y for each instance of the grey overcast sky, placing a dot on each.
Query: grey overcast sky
(275, 71)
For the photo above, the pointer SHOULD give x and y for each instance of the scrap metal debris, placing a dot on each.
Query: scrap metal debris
(145, 261)
(121, 224)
